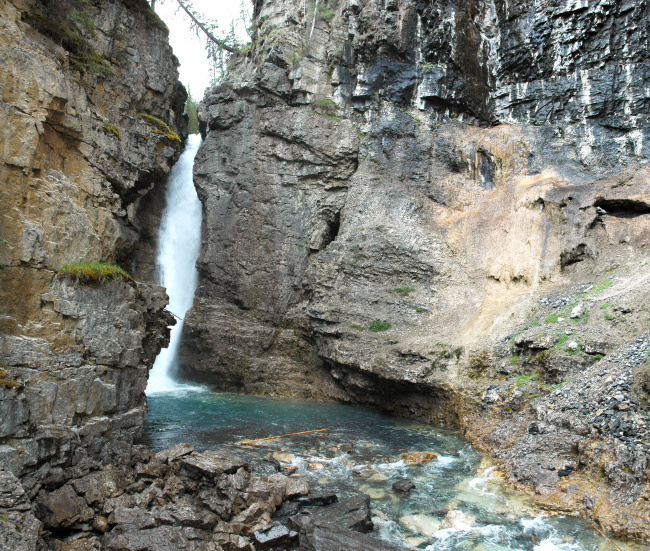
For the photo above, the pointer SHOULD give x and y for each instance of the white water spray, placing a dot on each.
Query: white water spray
(179, 241)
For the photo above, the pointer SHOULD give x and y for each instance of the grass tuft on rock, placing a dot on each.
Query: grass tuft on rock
(93, 272)
(160, 127)
(6, 382)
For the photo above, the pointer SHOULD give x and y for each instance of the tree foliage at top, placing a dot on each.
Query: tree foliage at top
(219, 45)
(190, 110)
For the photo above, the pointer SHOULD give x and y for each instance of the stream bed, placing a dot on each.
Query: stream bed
(460, 501)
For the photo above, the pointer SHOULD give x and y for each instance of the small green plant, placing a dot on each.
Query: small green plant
(84, 16)
(513, 360)
(404, 291)
(609, 316)
(90, 272)
(327, 108)
(325, 13)
(160, 127)
(573, 350)
(523, 379)
(378, 326)
(110, 127)
(356, 327)
(599, 288)
(552, 318)
(604, 306)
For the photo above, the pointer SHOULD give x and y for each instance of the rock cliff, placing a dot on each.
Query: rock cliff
(89, 100)
(442, 209)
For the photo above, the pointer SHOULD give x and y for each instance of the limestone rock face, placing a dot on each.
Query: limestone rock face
(76, 160)
(405, 202)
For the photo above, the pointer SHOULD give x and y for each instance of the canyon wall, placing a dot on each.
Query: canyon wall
(90, 104)
(441, 209)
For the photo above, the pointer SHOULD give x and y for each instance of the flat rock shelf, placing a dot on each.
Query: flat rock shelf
(459, 500)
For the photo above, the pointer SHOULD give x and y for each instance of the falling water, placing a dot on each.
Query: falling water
(179, 241)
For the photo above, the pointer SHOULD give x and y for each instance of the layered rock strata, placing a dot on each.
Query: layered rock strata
(441, 209)
(90, 115)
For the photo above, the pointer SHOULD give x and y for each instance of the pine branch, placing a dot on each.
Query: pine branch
(219, 43)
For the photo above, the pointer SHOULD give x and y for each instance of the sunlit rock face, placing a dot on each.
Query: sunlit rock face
(405, 203)
(76, 161)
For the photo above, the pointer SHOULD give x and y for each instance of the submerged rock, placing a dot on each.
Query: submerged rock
(458, 520)
(421, 524)
(418, 458)
(403, 486)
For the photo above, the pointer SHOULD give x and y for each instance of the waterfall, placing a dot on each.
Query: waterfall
(179, 242)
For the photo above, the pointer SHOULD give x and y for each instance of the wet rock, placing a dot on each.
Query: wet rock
(421, 524)
(273, 535)
(418, 458)
(336, 538)
(317, 500)
(316, 466)
(458, 520)
(232, 542)
(251, 519)
(352, 513)
(283, 457)
(403, 486)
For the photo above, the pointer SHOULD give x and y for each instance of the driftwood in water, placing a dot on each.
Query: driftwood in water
(252, 442)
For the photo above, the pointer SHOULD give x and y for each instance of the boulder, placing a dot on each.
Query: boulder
(336, 538)
(273, 535)
(62, 508)
(418, 458)
(403, 486)
(352, 513)
(213, 463)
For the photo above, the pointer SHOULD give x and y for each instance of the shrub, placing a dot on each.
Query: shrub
(378, 326)
(551, 318)
(90, 272)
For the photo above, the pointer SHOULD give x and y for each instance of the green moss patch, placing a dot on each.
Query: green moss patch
(404, 291)
(379, 326)
(91, 272)
(523, 379)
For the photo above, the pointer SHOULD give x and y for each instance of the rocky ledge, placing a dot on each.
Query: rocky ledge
(132, 499)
